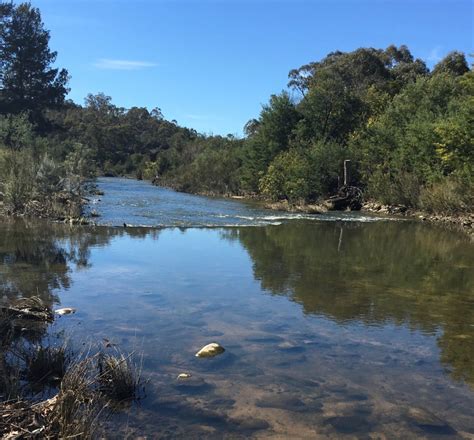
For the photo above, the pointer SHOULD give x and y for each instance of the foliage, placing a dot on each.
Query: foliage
(28, 80)
(451, 195)
(32, 180)
(454, 64)
(286, 177)
(424, 136)
(270, 136)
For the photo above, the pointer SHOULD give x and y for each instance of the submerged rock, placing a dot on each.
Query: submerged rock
(183, 376)
(247, 423)
(192, 385)
(210, 350)
(281, 401)
(65, 311)
(349, 424)
(429, 422)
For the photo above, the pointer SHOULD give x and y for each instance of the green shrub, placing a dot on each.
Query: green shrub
(449, 195)
(17, 176)
(394, 188)
(287, 178)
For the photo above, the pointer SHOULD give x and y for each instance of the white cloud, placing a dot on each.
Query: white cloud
(198, 117)
(434, 55)
(109, 64)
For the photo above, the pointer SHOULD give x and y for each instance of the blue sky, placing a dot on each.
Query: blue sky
(211, 64)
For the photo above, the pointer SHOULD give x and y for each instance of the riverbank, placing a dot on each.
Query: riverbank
(35, 363)
(57, 206)
(61, 206)
(463, 221)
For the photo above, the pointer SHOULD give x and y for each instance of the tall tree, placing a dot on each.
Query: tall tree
(453, 64)
(28, 80)
(272, 135)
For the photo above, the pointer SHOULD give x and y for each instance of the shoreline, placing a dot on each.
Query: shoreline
(463, 221)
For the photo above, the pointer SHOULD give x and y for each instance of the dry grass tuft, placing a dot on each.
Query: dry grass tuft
(6, 329)
(88, 386)
(119, 379)
(18, 420)
(77, 408)
(47, 365)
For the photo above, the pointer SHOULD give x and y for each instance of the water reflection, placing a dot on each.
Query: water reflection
(383, 303)
(36, 258)
(402, 273)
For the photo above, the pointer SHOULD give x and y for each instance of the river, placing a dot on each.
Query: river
(335, 326)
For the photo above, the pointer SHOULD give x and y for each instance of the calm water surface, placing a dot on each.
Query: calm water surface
(332, 329)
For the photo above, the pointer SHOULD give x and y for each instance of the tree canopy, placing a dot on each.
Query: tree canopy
(29, 81)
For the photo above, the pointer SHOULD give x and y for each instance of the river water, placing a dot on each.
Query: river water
(140, 204)
(335, 326)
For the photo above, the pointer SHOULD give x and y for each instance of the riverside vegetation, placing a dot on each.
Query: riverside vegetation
(407, 130)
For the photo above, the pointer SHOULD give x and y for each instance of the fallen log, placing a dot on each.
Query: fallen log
(347, 198)
(28, 308)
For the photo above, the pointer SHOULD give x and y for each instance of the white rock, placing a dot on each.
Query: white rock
(182, 376)
(65, 311)
(210, 350)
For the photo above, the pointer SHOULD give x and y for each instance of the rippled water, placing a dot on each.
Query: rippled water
(139, 203)
(332, 329)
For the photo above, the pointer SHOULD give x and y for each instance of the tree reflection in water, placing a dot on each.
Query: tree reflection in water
(376, 274)
(36, 257)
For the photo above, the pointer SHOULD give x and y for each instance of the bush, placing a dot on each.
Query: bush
(286, 178)
(448, 196)
(48, 177)
(17, 176)
(394, 188)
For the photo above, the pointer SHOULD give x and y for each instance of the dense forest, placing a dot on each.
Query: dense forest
(408, 131)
